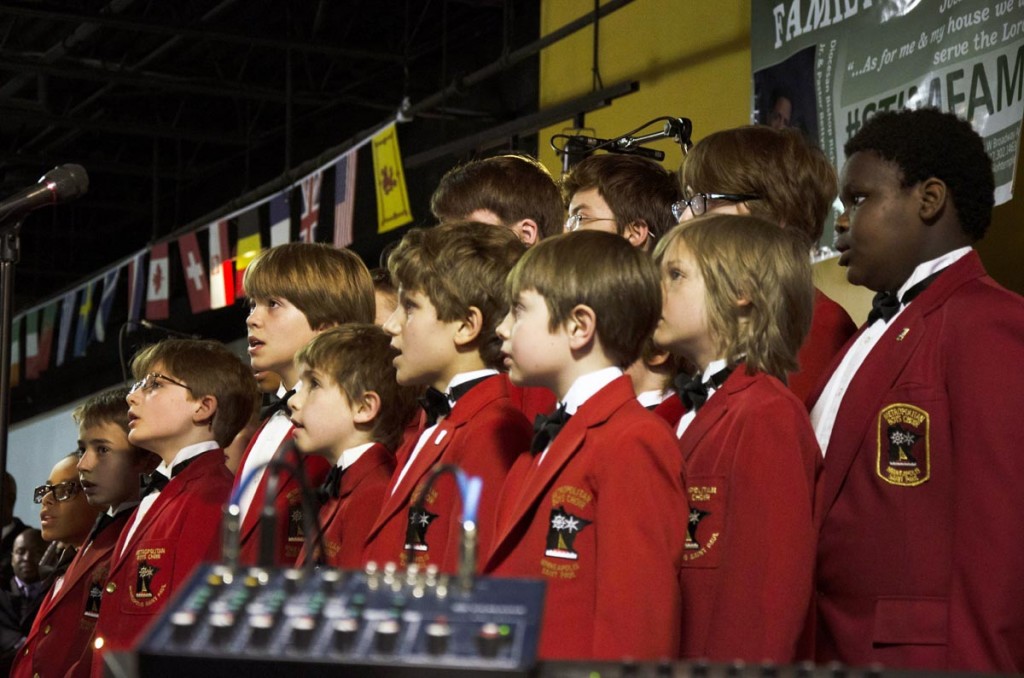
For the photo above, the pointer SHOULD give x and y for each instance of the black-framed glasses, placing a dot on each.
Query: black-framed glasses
(61, 491)
(149, 382)
(575, 220)
(698, 203)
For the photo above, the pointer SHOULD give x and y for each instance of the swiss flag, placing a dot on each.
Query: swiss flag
(222, 272)
(195, 273)
(158, 283)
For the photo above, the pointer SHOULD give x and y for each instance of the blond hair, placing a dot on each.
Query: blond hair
(750, 259)
(330, 286)
(358, 359)
(600, 270)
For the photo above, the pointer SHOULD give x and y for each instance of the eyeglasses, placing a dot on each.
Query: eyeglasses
(573, 222)
(698, 204)
(61, 491)
(149, 382)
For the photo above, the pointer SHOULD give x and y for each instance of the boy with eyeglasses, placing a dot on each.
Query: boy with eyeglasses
(109, 467)
(631, 197)
(191, 399)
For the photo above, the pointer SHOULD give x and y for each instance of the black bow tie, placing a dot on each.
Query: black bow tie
(545, 428)
(887, 304)
(693, 391)
(279, 405)
(156, 481)
(437, 404)
(330, 488)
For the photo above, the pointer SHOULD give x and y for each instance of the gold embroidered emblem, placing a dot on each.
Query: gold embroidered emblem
(904, 445)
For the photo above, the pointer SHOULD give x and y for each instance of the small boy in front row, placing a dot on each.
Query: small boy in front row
(737, 304)
(451, 294)
(191, 399)
(350, 409)
(598, 511)
(109, 468)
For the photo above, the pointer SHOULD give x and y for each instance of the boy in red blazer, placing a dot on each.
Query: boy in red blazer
(349, 409)
(737, 303)
(191, 398)
(109, 468)
(631, 197)
(778, 176)
(451, 291)
(597, 511)
(920, 552)
(295, 292)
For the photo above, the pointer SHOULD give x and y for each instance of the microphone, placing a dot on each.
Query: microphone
(61, 184)
(624, 145)
(168, 331)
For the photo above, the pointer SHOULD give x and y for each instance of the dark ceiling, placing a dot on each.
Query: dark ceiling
(177, 108)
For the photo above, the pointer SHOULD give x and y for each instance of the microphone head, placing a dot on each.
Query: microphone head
(68, 182)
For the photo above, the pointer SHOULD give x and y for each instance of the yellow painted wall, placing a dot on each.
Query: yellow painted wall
(692, 59)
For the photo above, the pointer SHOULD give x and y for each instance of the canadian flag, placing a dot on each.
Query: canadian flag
(158, 283)
(222, 269)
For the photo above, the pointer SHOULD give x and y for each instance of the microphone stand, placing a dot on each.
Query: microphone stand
(10, 249)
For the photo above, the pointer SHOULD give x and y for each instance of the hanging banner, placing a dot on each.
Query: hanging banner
(825, 67)
(392, 198)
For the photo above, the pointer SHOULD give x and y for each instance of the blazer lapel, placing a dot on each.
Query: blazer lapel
(879, 373)
(713, 410)
(252, 516)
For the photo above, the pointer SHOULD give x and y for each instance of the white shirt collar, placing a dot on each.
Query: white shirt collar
(352, 454)
(186, 453)
(463, 377)
(713, 368)
(587, 385)
(927, 268)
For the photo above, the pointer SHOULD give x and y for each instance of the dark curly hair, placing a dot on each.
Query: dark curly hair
(927, 143)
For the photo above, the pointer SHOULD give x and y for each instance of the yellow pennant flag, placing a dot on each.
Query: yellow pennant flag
(392, 198)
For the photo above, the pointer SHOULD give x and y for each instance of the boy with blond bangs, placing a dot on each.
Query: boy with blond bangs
(451, 296)
(598, 510)
(191, 399)
(351, 411)
(737, 304)
(295, 292)
(109, 467)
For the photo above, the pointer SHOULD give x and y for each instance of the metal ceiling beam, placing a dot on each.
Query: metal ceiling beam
(44, 119)
(55, 13)
(82, 69)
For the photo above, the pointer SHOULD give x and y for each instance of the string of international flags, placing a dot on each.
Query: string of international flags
(214, 281)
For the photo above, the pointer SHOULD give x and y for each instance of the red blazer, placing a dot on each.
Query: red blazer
(532, 400)
(751, 460)
(347, 520)
(831, 328)
(601, 521)
(288, 502)
(63, 628)
(482, 436)
(180, 530)
(920, 553)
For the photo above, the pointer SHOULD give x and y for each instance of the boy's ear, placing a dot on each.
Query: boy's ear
(933, 194)
(469, 327)
(581, 326)
(206, 407)
(637, 233)
(528, 231)
(366, 408)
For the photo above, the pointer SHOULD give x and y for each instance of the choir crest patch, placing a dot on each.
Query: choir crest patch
(296, 533)
(705, 521)
(904, 454)
(92, 603)
(562, 530)
(148, 588)
(416, 530)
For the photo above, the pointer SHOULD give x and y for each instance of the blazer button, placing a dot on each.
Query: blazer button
(111, 587)
(46, 631)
